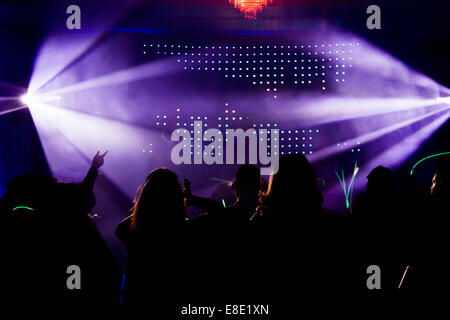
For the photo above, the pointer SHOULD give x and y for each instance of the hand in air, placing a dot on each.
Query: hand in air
(98, 160)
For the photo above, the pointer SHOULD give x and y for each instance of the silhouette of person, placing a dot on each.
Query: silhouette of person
(434, 231)
(299, 241)
(54, 231)
(246, 187)
(292, 195)
(379, 209)
(24, 229)
(153, 237)
(87, 186)
(376, 206)
(83, 244)
(230, 239)
(381, 225)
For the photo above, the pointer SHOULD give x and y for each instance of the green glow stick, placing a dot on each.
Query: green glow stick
(432, 156)
(348, 190)
(23, 207)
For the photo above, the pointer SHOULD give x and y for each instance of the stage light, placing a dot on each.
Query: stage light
(30, 100)
(26, 99)
(444, 99)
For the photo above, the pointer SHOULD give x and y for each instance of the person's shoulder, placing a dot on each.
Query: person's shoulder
(123, 229)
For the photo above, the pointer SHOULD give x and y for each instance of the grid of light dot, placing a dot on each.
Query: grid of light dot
(269, 66)
(291, 141)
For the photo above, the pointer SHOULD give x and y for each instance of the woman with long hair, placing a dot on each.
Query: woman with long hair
(160, 202)
(151, 235)
(296, 236)
(292, 194)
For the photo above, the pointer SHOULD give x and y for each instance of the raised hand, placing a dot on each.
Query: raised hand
(98, 160)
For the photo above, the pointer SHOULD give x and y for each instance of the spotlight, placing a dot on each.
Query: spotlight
(444, 99)
(29, 99)
(26, 99)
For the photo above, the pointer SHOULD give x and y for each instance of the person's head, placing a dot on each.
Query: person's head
(32, 191)
(440, 187)
(294, 186)
(380, 179)
(160, 200)
(248, 181)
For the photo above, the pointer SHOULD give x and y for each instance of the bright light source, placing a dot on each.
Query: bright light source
(444, 99)
(26, 99)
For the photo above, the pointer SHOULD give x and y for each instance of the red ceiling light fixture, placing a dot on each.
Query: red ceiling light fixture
(250, 8)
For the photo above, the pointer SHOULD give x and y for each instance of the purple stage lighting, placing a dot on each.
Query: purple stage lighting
(331, 95)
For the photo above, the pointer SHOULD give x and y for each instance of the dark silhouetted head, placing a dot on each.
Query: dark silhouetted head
(248, 181)
(293, 187)
(160, 201)
(380, 180)
(32, 190)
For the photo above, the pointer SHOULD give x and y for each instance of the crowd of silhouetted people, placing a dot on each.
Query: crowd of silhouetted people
(276, 240)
